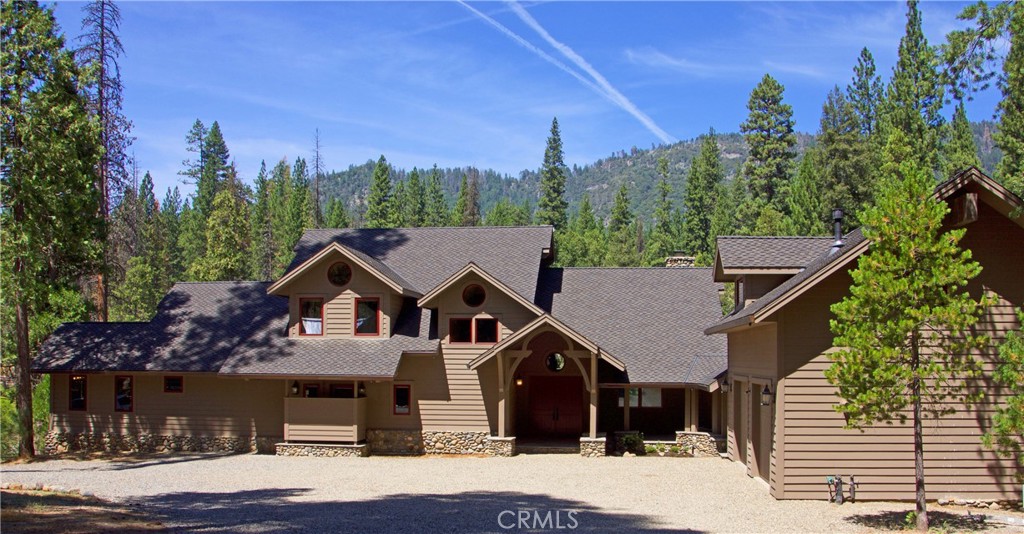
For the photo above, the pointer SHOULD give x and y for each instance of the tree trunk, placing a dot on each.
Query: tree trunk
(915, 391)
(26, 439)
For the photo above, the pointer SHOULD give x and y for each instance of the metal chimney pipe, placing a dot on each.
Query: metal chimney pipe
(837, 222)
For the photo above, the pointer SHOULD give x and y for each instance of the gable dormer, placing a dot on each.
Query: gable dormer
(342, 293)
(759, 264)
(475, 308)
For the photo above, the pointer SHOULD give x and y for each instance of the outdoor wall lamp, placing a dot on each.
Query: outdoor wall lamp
(295, 387)
(766, 396)
(519, 381)
(726, 386)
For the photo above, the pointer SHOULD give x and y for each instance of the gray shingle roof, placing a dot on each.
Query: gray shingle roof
(820, 262)
(425, 257)
(738, 252)
(276, 354)
(650, 319)
(196, 328)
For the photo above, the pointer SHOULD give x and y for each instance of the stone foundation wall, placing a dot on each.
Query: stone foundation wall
(61, 442)
(333, 451)
(700, 443)
(440, 442)
(593, 447)
(501, 446)
(401, 442)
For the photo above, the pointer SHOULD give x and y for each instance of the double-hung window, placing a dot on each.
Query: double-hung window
(311, 312)
(480, 330)
(124, 394)
(77, 389)
(367, 317)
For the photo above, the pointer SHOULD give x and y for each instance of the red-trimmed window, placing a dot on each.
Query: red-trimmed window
(77, 389)
(124, 394)
(481, 330)
(368, 317)
(311, 317)
(174, 384)
(403, 399)
(311, 391)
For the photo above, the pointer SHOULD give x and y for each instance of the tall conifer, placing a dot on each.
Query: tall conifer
(552, 206)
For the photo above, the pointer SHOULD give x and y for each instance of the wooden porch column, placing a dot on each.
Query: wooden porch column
(593, 395)
(687, 408)
(625, 408)
(716, 413)
(502, 394)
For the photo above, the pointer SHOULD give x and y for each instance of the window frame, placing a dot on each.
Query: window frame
(323, 321)
(180, 378)
(131, 393)
(451, 322)
(351, 273)
(355, 316)
(473, 330)
(85, 393)
(310, 386)
(332, 388)
(394, 398)
(469, 286)
(640, 397)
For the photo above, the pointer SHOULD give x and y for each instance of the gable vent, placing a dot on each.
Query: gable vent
(965, 209)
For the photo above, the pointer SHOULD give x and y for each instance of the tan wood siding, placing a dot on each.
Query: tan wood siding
(325, 419)
(209, 406)
(816, 445)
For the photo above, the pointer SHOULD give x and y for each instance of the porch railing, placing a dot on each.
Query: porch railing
(325, 420)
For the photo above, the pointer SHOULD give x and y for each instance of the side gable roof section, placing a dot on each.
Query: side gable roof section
(540, 322)
(473, 269)
(373, 266)
(738, 255)
(855, 244)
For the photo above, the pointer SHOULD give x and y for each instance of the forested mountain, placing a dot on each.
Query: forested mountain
(601, 179)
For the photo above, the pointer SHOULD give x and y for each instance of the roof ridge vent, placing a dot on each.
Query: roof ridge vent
(837, 224)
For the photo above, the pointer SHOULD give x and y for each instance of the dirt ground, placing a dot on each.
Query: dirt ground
(32, 512)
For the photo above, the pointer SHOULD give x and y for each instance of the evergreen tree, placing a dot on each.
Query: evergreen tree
(399, 196)
(583, 243)
(914, 96)
(505, 213)
(1010, 135)
(436, 206)
(49, 224)
(552, 206)
(318, 173)
(467, 205)
(414, 201)
(299, 216)
(98, 55)
(906, 326)
(768, 131)
(729, 196)
(959, 151)
(865, 93)
(216, 163)
(227, 236)
(622, 242)
(706, 174)
(170, 214)
(847, 162)
(191, 238)
(808, 210)
(261, 233)
(335, 216)
(662, 239)
(380, 210)
(1006, 435)
(195, 139)
(281, 224)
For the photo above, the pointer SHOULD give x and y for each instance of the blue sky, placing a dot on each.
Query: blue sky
(477, 84)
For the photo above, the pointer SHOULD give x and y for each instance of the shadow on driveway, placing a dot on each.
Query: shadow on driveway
(282, 510)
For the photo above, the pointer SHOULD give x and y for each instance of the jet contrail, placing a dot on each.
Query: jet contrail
(610, 92)
(540, 53)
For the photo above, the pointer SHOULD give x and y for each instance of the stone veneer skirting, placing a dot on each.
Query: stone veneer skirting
(593, 447)
(61, 442)
(700, 443)
(411, 442)
(322, 450)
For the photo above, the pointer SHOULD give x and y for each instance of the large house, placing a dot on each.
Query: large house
(468, 341)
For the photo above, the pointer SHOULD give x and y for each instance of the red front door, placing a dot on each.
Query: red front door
(556, 406)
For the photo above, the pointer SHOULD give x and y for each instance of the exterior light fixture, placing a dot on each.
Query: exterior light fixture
(519, 381)
(766, 396)
(726, 386)
(295, 387)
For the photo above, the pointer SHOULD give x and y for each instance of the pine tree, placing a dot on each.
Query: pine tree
(191, 238)
(170, 213)
(471, 209)
(215, 168)
(552, 206)
(505, 213)
(959, 151)
(706, 173)
(281, 193)
(414, 202)
(192, 170)
(380, 210)
(1010, 135)
(436, 206)
(261, 234)
(318, 173)
(583, 243)
(729, 196)
(335, 216)
(1006, 435)
(622, 242)
(847, 163)
(808, 210)
(399, 196)
(661, 242)
(768, 132)
(914, 96)
(299, 215)
(906, 326)
(49, 225)
(227, 235)
(865, 93)
(98, 55)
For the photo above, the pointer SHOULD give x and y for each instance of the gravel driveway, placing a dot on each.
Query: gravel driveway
(252, 493)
